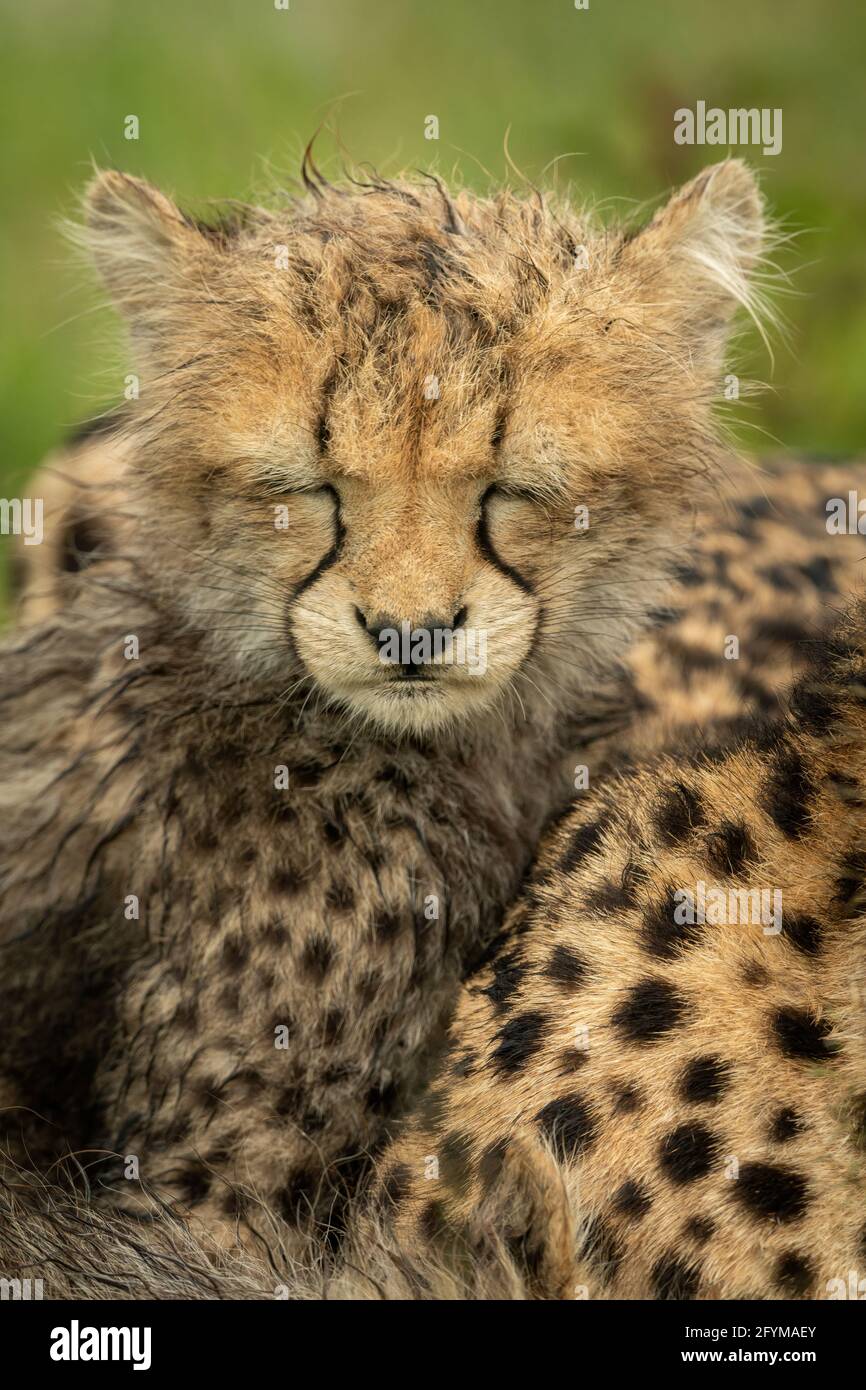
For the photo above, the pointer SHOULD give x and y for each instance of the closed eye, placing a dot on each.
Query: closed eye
(269, 480)
(310, 490)
(513, 491)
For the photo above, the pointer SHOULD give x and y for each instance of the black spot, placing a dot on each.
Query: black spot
(787, 792)
(849, 886)
(679, 813)
(755, 508)
(234, 1203)
(688, 575)
(704, 1080)
(626, 1098)
(803, 931)
(782, 577)
(490, 1163)
(397, 777)
(235, 952)
(583, 842)
(689, 659)
(664, 617)
(508, 973)
(338, 1073)
(812, 707)
(861, 1243)
(519, 1039)
(333, 1024)
(650, 1009)
(820, 572)
(755, 695)
(340, 896)
(565, 967)
(687, 1153)
(297, 1198)
(632, 1199)
(387, 927)
(603, 1249)
(186, 1015)
(317, 957)
(785, 1125)
(178, 1129)
(286, 881)
(194, 1182)
(699, 1229)
(609, 897)
(289, 1101)
(786, 631)
(569, 1123)
(754, 973)
(766, 1191)
(794, 1274)
(662, 934)
(674, 1280)
(803, 1036)
(384, 1098)
(571, 1059)
(730, 848)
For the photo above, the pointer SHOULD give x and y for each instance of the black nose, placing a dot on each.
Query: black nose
(406, 646)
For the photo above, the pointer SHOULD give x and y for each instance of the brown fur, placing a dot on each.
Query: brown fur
(187, 908)
(701, 1088)
(286, 360)
(786, 578)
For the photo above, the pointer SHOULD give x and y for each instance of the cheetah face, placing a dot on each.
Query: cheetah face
(421, 456)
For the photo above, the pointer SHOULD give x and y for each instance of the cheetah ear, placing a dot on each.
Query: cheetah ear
(527, 1211)
(139, 240)
(692, 265)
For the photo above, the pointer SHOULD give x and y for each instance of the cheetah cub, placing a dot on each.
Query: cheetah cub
(265, 803)
(657, 1087)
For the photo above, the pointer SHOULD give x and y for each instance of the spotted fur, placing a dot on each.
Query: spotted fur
(172, 909)
(634, 1105)
(245, 862)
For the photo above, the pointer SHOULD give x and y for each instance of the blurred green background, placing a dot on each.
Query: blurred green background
(226, 89)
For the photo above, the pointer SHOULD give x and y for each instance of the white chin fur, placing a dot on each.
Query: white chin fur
(415, 709)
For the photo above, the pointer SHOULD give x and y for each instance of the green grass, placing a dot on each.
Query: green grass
(224, 88)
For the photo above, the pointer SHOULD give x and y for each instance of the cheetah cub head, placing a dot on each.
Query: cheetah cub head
(421, 454)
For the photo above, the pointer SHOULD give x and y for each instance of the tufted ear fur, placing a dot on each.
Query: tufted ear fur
(526, 1212)
(139, 240)
(693, 265)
